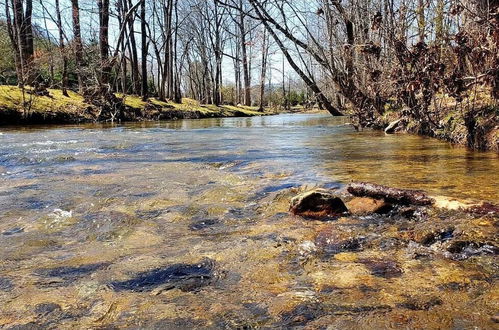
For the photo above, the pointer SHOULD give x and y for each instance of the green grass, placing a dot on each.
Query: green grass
(192, 105)
(11, 98)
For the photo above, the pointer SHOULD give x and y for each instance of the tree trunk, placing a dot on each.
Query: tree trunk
(78, 43)
(21, 41)
(11, 29)
(143, 23)
(104, 42)
(420, 13)
(263, 69)
(310, 83)
(245, 62)
(63, 50)
(132, 47)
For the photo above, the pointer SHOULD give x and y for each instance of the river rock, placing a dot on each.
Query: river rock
(484, 209)
(462, 250)
(364, 205)
(393, 127)
(330, 241)
(383, 268)
(317, 203)
(437, 236)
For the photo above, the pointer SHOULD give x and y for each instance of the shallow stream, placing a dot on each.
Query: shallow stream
(185, 225)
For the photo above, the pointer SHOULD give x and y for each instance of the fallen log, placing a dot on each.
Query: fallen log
(390, 195)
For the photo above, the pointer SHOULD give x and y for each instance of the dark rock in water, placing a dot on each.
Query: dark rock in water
(176, 324)
(383, 268)
(302, 314)
(389, 243)
(6, 284)
(241, 319)
(182, 276)
(350, 245)
(70, 274)
(317, 204)
(484, 209)
(330, 242)
(203, 224)
(305, 313)
(442, 235)
(364, 205)
(43, 310)
(147, 215)
(13, 231)
(417, 305)
(454, 286)
(407, 212)
(461, 250)
(28, 326)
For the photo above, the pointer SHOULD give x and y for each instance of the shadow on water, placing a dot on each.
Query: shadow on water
(67, 275)
(181, 276)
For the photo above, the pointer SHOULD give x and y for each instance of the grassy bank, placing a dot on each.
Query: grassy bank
(473, 122)
(17, 107)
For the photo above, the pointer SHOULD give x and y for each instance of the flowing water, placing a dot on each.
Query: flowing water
(185, 225)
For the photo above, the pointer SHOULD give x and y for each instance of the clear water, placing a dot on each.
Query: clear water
(107, 203)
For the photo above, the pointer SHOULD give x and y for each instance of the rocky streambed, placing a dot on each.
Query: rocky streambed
(189, 226)
(427, 261)
(339, 258)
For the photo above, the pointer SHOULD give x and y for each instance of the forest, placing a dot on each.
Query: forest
(429, 67)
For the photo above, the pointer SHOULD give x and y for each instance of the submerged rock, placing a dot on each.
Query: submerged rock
(185, 277)
(6, 284)
(441, 235)
(45, 309)
(302, 314)
(203, 224)
(318, 203)
(13, 231)
(383, 268)
(461, 250)
(485, 209)
(330, 242)
(416, 304)
(177, 324)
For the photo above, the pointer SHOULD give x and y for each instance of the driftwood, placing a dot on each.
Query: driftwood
(391, 195)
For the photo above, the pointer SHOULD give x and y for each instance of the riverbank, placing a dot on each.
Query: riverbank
(473, 122)
(55, 108)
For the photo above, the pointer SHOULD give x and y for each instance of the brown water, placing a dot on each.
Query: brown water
(87, 211)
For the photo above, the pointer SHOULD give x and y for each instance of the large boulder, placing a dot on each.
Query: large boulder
(318, 203)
